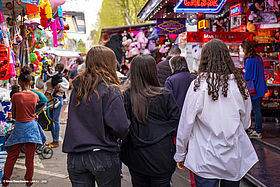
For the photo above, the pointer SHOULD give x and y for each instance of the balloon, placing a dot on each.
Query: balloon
(33, 58)
(55, 3)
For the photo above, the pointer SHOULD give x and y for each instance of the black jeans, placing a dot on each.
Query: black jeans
(100, 166)
(203, 182)
(140, 180)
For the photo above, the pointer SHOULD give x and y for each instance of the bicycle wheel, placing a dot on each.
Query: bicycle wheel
(47, 153)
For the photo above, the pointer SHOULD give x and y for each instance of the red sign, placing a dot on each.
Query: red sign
(227, 37)
(235, 10)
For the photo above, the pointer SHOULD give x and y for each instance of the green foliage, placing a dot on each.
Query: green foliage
(81, 46)
(117, 13)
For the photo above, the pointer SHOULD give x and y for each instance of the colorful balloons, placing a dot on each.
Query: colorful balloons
(55, 3)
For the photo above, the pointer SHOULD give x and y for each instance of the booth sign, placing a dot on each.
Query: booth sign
(199, 6)
(227, 37)
(171, 26)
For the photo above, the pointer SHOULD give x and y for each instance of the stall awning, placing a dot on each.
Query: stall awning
(154, 9)
(59, 52)
(120, 29)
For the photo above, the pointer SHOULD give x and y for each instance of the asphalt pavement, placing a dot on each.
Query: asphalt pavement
(53, 172)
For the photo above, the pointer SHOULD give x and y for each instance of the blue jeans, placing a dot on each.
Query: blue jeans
(203, 182)
(56, 114)
(256, 103)
(100, 166)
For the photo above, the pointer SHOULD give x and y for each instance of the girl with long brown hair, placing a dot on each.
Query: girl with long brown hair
(254, 72)
(148, 150)
(96, 120)
(215, 114)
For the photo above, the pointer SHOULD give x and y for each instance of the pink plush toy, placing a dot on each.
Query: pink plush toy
(152, 46)
(274, 3)
(141, 40)
(133, 50)
(55, 3)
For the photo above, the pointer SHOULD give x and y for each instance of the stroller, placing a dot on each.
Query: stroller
(46, 123)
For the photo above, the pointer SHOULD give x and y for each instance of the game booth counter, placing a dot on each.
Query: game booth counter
(191, 44)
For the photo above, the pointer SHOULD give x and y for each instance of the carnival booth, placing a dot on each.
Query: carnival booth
(231, 21)
(23, 28)
(129, 41)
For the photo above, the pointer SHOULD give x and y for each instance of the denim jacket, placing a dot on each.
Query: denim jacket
(25, 132)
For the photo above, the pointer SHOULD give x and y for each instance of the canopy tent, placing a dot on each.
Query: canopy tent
(59, 52)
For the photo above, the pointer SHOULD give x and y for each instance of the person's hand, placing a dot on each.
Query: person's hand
(180, 166)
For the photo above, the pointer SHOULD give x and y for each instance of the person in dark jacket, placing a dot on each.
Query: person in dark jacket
(163, 67)
(96, 121)
(116, 45)
(179, 82)
(149, 148)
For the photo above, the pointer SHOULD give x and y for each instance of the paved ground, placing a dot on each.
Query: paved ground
(53, 172)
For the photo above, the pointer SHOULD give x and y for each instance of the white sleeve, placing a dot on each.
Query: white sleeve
(64, 85)
(246, 115)
(187, 121)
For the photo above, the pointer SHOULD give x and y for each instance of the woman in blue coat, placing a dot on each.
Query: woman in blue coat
(254, 71)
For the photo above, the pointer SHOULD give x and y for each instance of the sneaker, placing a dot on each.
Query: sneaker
(249, 131)
(255, 135)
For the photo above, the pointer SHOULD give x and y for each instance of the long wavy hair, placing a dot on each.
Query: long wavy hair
(101, 66)
(248, 50)
(144, 84)
(216, 66)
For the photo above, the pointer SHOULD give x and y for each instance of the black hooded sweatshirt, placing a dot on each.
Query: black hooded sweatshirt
(97, 123)
(149, 148)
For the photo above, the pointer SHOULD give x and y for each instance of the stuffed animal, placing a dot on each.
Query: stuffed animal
(141, 40)
(152, 46)
(251, 27)
(275, 4)
(153, 34)
(133, 50)
(268, 17)
(145, 52)
(255, 9)
(126, 39)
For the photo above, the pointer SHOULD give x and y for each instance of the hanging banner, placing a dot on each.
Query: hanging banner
(227, 37)
(33, 2)
(171, 26)
(199, 6)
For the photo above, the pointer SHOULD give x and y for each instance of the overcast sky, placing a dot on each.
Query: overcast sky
(89, 7)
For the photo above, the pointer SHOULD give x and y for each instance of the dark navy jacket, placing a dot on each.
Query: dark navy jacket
(149, 148)
(179, 83)
(164, 70)
(97, 123)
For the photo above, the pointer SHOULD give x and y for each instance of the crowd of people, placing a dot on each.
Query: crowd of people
(163, 117)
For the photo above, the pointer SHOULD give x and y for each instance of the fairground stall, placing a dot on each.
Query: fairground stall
(231, 21)
(26, 26)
